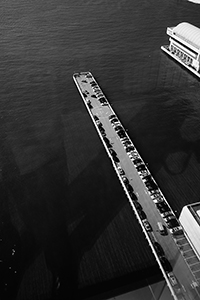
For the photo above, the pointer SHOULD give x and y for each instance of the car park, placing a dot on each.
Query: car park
(158, 248)
(166, 264)
(147, 225)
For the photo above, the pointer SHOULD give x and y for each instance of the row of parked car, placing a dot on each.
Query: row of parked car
(151, 186)
(98, 93)
(153, 189)
(149, 182)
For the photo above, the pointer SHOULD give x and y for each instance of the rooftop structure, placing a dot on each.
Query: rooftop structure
(189, 33)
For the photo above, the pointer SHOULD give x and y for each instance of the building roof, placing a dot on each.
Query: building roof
(189, 33)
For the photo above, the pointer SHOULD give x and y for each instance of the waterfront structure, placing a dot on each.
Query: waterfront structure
(184, 46)
(190, 220)
(179, 265)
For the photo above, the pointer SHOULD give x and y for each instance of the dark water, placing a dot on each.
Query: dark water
(61, 205)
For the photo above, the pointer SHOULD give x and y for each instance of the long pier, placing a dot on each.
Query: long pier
(146, 199)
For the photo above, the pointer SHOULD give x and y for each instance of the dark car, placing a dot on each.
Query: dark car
(163, 207)
(116, 159)
(111, 117)
(125, 180)
(172, 223)
(142, 215)
(102, 99)
(112, 152)
(133, 196)
(127, 143)
(141, 168)
(118, 127)
(138, 206)
(96, 118)
(130, 148)
(151, 185)
(166, 264)
(90, 106)
(147, 225)
(121, 133)
(107, 141)
(129, 188)
(114, 120)
(137, 161)
(159, 250)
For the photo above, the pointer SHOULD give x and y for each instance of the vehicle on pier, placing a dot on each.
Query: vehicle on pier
(184, 46)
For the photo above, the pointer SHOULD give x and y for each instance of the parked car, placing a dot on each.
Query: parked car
(121, 171)
(118, 127)
(133, 196)
(116, 159)
(158, 248)
(121, 133)
(166, 264)
(111, 117)
(96, 118)
(172, 279)
(172, 223)
(137, 161)
(112, 152)
(114, 119)
(141, 168)
(127, 143)
(129, 188)
(142, 215)
(147, 225)
(138, 206)
(125, 180)
(129, 148)
(162, 229)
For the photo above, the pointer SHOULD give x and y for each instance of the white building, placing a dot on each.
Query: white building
(190, 220)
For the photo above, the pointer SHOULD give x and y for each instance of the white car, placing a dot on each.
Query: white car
(172, 278)
(147, 225)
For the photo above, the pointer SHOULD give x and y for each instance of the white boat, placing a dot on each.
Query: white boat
(184, 46)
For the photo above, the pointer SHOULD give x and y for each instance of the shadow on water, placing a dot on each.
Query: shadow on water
(37, 207)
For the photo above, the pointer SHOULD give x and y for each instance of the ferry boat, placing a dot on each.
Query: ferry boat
(184, 46)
